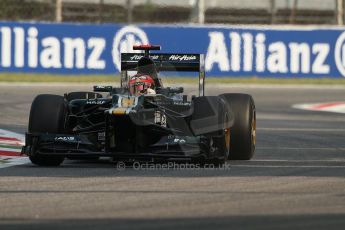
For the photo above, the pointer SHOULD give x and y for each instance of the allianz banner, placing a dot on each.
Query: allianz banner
(229, 51)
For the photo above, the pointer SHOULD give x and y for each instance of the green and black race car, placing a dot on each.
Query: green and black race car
(166, 125)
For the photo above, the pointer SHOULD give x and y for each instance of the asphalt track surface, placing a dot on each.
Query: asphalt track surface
(295, 181)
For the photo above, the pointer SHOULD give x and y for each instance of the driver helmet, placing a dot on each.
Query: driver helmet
(141, 84)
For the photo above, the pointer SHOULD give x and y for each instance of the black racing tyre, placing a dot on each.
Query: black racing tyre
(82, 95)
(47, 115)
(243, 131)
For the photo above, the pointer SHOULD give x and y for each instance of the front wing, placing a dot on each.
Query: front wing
(169, 147)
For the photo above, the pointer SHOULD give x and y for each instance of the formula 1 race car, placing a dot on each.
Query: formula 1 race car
(166, 125)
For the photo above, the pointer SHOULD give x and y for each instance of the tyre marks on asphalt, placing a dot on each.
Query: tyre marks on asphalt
(10, 149)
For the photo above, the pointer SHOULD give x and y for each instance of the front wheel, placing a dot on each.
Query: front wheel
(47, 115)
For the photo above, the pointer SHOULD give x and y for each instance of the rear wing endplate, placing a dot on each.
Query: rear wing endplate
(167, 62)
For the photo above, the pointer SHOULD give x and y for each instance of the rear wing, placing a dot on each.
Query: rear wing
(166, 62)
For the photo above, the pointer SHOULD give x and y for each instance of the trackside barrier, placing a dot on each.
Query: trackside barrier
(229, 51)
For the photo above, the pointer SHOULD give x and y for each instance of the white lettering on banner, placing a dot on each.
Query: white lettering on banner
(32, 47)
(321, 51)
(260, 52)
(217, 52)
(249, 53)
(97, 46)
(5, 46)
(299, 57)
(235, 52)
(72, 50)
(277, 58)
(50, 55)
(19, 47)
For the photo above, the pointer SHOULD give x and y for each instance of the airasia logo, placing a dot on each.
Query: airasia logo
(182, 58)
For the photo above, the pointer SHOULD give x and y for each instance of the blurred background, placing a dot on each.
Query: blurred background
(326, 12)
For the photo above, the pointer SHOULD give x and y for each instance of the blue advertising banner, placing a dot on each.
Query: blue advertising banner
(229, 51)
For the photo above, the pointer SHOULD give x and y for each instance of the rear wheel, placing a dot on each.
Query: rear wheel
(47, 115)
(243, 132)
